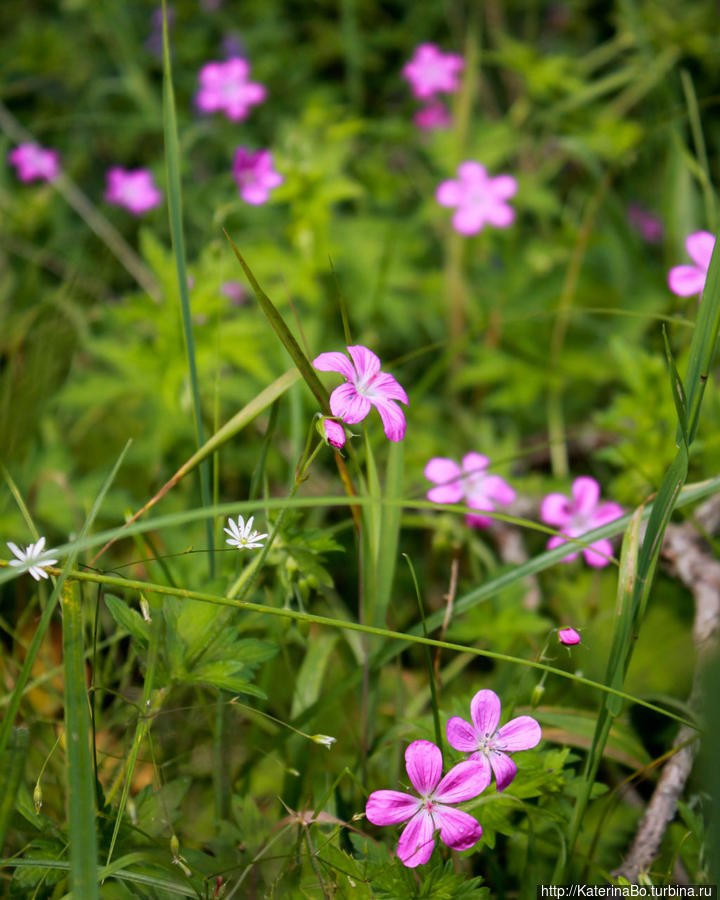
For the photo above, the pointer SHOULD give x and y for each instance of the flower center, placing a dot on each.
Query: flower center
(485, 743)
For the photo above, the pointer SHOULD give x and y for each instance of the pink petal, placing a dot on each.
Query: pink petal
(366, 362)
(335, 433)
(568, 636)
(423, 762)
(586, 493)
(416, 843)
(485, 712)
(605, 513)
(503, 187)
(469, 220)
(442, 471)
(348, 405)
(700, 246)
(458, 829)
(598, 554)
(521, 733)
(478, 521)
(463, 782)
(473, 173)
(254, 194)
(449, 493)
(387, 388)
(498, 489)
(686, 280)
(557, 541)
(461, 735)
(393, 419)
(390, 807)
(474, 463)
(334, 362)
(504, 769)
(500, 215)
(480, 758)
(555, 509)
(448, 193)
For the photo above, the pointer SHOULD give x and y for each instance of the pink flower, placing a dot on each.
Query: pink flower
(235, 291)
(255, 175)
(365, 386)
(486, 744)
(568, 636)
(334, 433)
(649, 226)
(430, 812)
(479, 199)
(433, 115)
(688, 280)
(224, 87)
(579, 515)
(430, 71)
(480, 490)
(134, 189)
(34, 163)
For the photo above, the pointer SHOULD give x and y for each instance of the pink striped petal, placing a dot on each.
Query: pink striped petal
(390, 807)
(458, 829)
(480, 759)
(463, 782)
(485, 712)
(387, 387)
(521, 733)
(598, 554)
(366, 362)
(504, 769)
(423, 762)
(393, 419)
(335, 362)
(461, 735)
(586, 493)
(335, 433)
(348, 405)
(700, 246)
(416, 843)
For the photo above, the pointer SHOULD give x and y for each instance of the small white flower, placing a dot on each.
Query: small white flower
(323, 739)
(33, 559)
(242, 536)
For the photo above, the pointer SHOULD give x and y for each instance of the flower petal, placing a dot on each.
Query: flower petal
(555, 509)
(449, 493)
(16, 550)
(485, 712)
(390, 807)
(568, 636)
(387, 387)
(498, 489)
(700, 246)
(605, 513)
(449, 193)
(348, 405)
(504, 769)
(334, 361)
(500, 215)
(686, 280)
(393, 419)
(503, 186)
(334, 432)
(598, 554)
(416, 843)
(473, 173)
(469, 220)
(441, 470)
(586, 493)
(556, 541)
(521, 733)
(474, 463)
(461, 735)
(423, 761)
(463, 782)
(458, 829)
(366, 362)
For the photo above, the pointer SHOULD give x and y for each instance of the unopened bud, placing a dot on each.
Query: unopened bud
(175, 846)
(145, 609)
(537, 695)
(37, 798)
(323, 739)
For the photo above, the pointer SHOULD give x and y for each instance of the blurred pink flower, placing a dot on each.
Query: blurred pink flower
(255, 175)
(480, 490)
(430, 812)
(334, 432)
(235, 291)
(35, 163)
(479, 199)
(366, 386)
(579, 515)
(688, 280)
(134, 189)
(433, 115)
(488, 745)
(430, 71)
(224, 87)
(568, 636)
(649, 225)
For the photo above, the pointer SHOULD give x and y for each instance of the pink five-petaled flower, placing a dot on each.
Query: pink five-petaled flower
(366, 386)
(568, 636)
(255, 175)
(224, 87)
(480, 490)
(134, 189)
(485, 743)
(478, 199)
(579, 515)
(688, 280)
(430, 71)
(430, 812)
(34, 163)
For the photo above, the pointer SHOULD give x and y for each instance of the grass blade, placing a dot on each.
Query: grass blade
(12, 765)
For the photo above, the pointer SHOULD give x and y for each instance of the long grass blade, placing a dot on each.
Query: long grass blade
(12, 765)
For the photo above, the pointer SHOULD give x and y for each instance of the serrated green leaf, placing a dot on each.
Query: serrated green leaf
(128, 618)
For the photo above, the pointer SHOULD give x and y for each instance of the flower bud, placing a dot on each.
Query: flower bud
(174, 846)
(145, 609)
(37, 798)
(323, 739)
(537, 695)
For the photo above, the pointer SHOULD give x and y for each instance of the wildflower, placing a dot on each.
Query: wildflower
(478, 198)
(224, 87)
(431, 116)
(688, 280)
(242, 536)
(430, 71)
(579, 515)
(255, 175)
(366, 386)
(132, 188)
(486, 744)
(568, 636)
(324, 739)
(334, 433)
(35, 163)
(480, 490)
(430, 812)
(235, 292)
(33, 559)
(643, 221)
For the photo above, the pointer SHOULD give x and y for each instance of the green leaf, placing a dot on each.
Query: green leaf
(224, 674)
(129, 619)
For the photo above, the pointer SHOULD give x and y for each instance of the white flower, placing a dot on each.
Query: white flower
(33, 559)
(242, 536)
(323, 739)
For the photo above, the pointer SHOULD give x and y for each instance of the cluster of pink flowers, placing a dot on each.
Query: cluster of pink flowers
(431, 72)
(434, 810)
